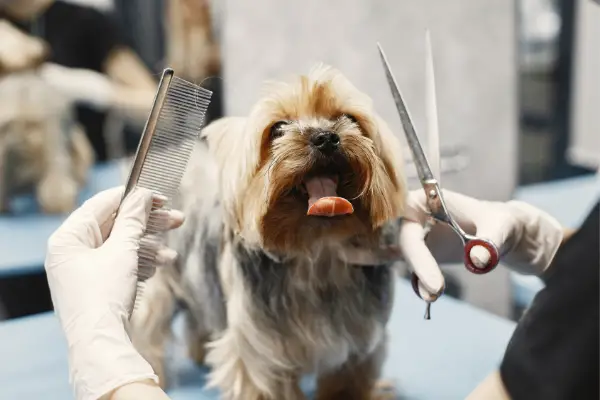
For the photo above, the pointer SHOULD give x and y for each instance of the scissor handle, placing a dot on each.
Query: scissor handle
(489, 246)
(471, 267)
(414, 281)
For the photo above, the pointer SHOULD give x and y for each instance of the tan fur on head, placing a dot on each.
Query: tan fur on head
(258, 172)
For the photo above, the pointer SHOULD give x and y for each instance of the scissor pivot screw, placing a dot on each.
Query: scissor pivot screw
(432, 194)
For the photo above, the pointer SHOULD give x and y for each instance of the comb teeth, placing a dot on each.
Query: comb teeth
(178, 126)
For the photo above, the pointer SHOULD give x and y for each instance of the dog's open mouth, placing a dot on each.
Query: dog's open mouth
(323, 200)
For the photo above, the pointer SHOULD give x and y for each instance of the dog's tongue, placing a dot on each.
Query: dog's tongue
(323, 200)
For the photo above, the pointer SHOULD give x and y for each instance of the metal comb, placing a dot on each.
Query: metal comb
(169, 136)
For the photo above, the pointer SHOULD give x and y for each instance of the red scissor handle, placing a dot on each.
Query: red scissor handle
(490, 247)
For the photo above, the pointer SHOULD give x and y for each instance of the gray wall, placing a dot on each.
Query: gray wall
(584, 146)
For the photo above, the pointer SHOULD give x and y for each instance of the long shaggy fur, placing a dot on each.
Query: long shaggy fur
(42, 147)
(267, 293)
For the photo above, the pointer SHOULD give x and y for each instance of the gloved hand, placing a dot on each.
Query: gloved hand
(19, 51)
(80, 85)
(92, 279)
(526, 237)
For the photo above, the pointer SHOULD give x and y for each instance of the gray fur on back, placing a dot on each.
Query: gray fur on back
(198, 243)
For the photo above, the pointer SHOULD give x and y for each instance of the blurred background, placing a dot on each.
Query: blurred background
(517, 89)
(518, 94)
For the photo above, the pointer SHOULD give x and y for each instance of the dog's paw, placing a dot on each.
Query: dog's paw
(57, 194)
(384, 390)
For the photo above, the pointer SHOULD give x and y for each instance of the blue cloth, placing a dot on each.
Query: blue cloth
(440, 359)
(25, 234)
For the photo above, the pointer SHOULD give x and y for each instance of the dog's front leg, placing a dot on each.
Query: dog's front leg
(241, 373)
(356, 379)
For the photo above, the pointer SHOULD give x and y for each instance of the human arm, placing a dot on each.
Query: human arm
(95, 65)
(91, 265)
(491, 388)
(134, 85)
(553, 352)
(99, 91)
(19, 51)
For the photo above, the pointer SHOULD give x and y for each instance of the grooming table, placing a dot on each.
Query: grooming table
(25, 234)
(569, 201)
(443, 358)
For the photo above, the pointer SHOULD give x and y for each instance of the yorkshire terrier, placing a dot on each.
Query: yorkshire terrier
(269, 273)
(42, 147)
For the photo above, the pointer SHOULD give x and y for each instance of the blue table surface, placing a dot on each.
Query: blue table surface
(569, 201)
(443, 358)
(24, 235)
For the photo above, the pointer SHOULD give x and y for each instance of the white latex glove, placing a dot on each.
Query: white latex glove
(19, 51)
(80, 85)
(92, 279)
(526, 237)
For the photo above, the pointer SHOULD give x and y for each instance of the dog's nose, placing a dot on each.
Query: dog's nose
(327, 142)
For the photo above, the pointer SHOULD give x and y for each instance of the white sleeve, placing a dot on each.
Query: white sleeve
(147, 390)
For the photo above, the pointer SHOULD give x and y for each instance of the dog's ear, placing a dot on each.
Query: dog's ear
(389, 148)
(224, 138)
(227, 142)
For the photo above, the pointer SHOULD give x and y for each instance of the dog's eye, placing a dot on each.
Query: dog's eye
(352, 118)
(277, 129)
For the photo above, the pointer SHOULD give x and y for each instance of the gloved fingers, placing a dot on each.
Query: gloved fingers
(133, 215)
(462, 209)
(497, 230)
(81, 85)
(101, 206)
(165, 220)
(416, 207)
(152, 255)
(85, 225)
(418, 256)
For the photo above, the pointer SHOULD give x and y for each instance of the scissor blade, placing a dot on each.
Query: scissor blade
(433, 138)
(419, 158)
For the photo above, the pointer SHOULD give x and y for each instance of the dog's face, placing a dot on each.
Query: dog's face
(313, 138)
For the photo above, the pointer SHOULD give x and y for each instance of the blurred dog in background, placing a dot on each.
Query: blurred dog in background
(270, 287)
(42, 148)
(192, 50)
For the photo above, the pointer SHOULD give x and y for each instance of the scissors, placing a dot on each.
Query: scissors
(438, 212)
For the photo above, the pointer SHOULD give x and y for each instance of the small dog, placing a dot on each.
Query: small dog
(270, 292)
(42, 148)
